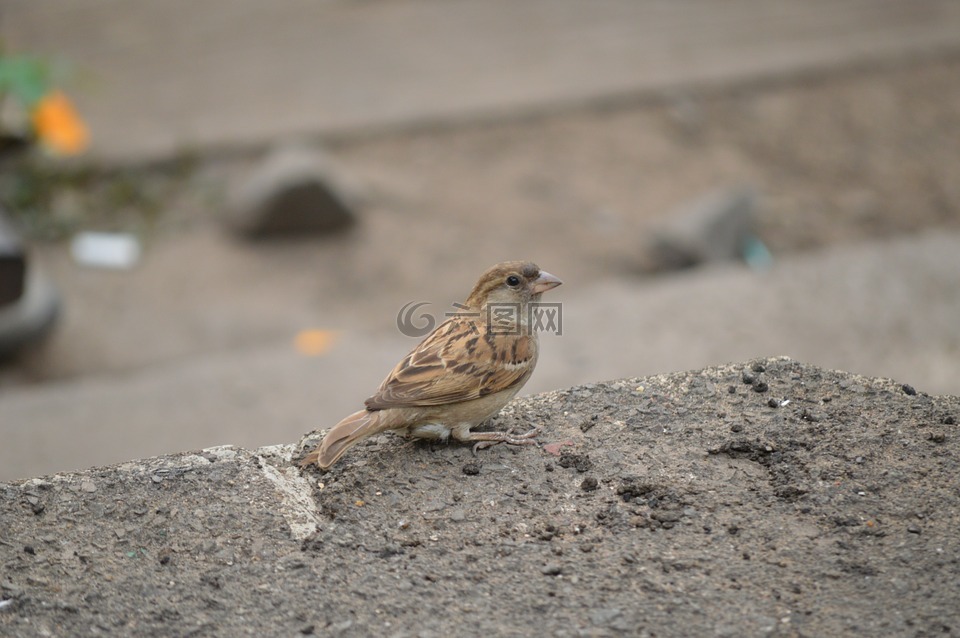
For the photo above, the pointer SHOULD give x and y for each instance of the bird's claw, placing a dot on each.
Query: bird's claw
(527, 438)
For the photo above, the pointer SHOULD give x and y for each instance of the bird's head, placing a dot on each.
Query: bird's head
(511, 282)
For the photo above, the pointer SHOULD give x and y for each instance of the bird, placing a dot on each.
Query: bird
(461, 374)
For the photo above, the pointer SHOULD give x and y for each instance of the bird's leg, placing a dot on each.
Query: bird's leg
(489, 439)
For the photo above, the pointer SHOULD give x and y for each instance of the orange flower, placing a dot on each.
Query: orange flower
(59, 126)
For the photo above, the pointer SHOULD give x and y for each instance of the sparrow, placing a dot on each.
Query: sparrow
(461, 374)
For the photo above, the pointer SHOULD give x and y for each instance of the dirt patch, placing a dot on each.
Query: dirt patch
(836, 157)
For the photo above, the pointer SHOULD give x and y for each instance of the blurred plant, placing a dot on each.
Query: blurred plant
(55, 199)
(50, 118)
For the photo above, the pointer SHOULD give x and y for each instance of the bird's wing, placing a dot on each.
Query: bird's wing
(459, 361)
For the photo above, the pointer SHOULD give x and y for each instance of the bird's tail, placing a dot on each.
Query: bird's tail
(342, 437)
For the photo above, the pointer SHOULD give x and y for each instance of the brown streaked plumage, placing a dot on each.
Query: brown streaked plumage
(461, 374)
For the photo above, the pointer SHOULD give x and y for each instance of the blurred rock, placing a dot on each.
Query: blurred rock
(717, 227)
(29, 304)
(13, 265)
(293, 191)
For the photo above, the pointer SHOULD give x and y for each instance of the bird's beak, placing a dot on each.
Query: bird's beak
(544, 282)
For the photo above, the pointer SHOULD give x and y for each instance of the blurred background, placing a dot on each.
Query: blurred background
(213, 212)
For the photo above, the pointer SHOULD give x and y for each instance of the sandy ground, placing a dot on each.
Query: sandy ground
(841, 158)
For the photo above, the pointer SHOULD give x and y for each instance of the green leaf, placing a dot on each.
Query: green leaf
(25, 78)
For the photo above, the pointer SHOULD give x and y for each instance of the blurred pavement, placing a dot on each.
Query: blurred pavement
(173, 75)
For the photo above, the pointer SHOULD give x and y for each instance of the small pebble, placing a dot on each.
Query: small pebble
(908, 389)
(913, 529)
(551, 569)
(667, 516)
(760, 386)
(589, 484)
(748, 377)
(581, 462)
(471, 469)
(601, 617)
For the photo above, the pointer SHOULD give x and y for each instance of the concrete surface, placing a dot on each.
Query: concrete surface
(802, 503)
(160, 77)
(887, 308)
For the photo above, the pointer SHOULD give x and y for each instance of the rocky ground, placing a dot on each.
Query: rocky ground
(764, 498)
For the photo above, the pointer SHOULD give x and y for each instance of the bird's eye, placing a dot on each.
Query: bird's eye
(513, 281)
